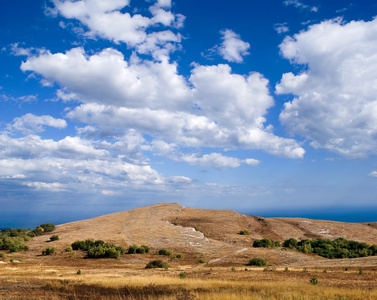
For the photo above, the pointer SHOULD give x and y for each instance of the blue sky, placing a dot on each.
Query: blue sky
(268, 108)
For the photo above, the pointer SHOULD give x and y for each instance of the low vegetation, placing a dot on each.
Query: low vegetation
(338, 248)
(165, 252)
(156, 264)
(14, 239)
(48, 251)
(98, 249)
(54, 238)
(257, 261)
(244, 232)
(135, 249)
(266, 243)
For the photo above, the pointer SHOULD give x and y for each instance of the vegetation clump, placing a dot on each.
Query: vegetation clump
(134, 249)
(98, 249)
(156, 264)
(314, 280)
(54, 238)
(244, 232)
(338, 248)
(165, 252)
(257, 261)
(48, 251)
(13, 239)
(266, 243)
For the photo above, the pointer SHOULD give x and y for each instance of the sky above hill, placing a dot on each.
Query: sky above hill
(265, 107)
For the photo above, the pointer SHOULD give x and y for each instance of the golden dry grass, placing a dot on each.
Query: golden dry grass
(214, 239)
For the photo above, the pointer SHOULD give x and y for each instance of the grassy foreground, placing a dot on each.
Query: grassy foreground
(19, 281)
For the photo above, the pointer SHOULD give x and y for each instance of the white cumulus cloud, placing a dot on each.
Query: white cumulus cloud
(30, 123)
(335, 104)
(232, 48)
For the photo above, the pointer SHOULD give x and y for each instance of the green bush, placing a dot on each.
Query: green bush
(257, 261)
(165, 252)
(48, 251)
(244, 232)
(156, 264)
(143, 249)
(182, 275)
(13, 244)
(290, 243)
(69, 249)
(54, 238)
(180, 255)
(338, 248)
(78, 272)
(2, 255)
(135, 249)
(98, 249)
(104, 252)
(47, 227)
(266, 243)
(202, 261)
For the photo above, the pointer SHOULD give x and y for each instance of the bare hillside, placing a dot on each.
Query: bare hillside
(213, 233)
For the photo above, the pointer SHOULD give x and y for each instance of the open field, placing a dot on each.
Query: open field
(214, 261)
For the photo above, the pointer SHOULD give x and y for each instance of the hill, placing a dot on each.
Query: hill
(210, 233)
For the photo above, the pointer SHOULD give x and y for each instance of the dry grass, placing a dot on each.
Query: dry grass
(23, 281)
(215, 240)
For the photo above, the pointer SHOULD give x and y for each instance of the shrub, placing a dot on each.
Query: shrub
(156, 264)
(165, 252)
(266, 243)
(78, 272)
(139, 250)
(143, 249)
(182, 275)
(314, 280)
(257, 261)
(202, 261)
(180, 255)
(48, 251)
(69, 249)
(98, 249)
(107, 251)
(290, 243)
(244, 232)
(47, 227)
(132, 249)
(1, 255)
(54, 238)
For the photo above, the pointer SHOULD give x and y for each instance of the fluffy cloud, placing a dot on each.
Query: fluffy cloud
(30, 123)
(373, 174)
(154, 99)
(335, 104)
(104, 19)
(232, 48)
(107, 78)
(74, 164)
